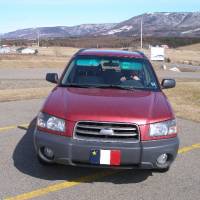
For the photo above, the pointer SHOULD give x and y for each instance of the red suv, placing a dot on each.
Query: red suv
(107, 110)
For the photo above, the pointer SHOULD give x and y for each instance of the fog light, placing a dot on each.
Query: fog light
(48, 152)
(162, 159)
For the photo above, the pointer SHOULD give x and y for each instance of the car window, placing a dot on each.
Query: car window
(106, 71)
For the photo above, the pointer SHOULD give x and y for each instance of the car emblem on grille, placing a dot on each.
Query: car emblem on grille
(106, 131)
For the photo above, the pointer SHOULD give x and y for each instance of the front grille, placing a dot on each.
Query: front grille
(106, 130)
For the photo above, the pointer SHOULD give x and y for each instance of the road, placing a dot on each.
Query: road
(27, 73)
(15, 78)
(178, 75)
(22, 177)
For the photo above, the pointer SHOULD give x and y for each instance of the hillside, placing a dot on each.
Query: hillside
(177, 24)
(160, 24)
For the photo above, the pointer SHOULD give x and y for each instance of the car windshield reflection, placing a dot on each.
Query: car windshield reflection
(106, 72)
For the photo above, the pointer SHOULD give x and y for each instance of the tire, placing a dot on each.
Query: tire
(164, 170)
(43, 162)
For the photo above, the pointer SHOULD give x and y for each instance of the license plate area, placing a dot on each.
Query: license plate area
(105, 157)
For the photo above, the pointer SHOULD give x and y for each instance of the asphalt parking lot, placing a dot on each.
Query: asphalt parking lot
(22, 177)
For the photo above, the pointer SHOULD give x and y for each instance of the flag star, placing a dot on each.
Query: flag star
(94, 153)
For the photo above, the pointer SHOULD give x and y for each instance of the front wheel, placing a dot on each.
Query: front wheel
(164, 170)
(43, 162)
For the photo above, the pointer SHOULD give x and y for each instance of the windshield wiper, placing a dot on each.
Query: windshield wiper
(114, 87)
(78, 85)
(98, 86)
(74, 85)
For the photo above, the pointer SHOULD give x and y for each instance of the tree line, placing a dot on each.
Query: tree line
(105, 42)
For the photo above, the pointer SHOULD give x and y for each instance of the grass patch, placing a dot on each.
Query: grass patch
(35, 61)
(47, 57)
(185, 100)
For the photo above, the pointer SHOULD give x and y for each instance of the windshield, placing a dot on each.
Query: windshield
(127, 73)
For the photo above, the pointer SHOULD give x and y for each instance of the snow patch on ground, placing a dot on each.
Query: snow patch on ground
(124, 28)
(191, 31)
(175, 69)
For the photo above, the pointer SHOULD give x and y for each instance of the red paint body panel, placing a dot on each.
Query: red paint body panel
(111, 105)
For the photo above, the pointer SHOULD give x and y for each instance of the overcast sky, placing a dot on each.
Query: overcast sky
(17, 14)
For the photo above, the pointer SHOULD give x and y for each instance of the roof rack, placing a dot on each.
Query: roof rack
(141, 53)
(80, 50)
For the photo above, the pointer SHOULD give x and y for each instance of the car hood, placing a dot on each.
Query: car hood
(110, 105)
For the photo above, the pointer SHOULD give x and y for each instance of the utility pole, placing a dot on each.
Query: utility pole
(141, 33)
(1, 40)
(38, 37)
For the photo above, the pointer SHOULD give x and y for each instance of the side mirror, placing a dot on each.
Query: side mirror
(168, 83)
(52, 77)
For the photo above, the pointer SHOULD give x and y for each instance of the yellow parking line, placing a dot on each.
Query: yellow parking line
(68, 184)
(189, 148)
(7, 128)
(61, 186)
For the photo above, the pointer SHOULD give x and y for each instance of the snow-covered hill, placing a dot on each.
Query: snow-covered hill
(160, 24)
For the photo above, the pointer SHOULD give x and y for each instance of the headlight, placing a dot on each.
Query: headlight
(163, 128)
(50, 122)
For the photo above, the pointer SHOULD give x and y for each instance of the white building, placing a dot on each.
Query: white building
(28, 51)
(5, 50)
(157, 54)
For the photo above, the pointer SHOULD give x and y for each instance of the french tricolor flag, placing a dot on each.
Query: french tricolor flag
(105, 157)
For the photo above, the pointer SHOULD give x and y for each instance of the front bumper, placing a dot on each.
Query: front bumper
(136, 155)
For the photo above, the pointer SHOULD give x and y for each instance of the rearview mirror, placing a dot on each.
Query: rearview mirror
(52, 77)
(168, 83)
